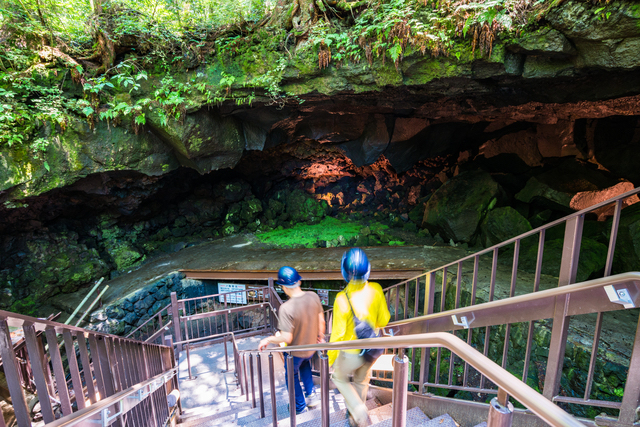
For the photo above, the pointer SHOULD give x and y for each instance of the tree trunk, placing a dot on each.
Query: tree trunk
(106, 47)
(290, 14)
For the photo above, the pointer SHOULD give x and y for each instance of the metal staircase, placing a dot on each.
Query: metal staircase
(87, 378)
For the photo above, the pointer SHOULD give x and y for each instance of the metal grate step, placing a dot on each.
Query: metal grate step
(441, 421)
(415, 417)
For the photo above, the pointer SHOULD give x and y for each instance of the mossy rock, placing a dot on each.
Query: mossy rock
(125, 256)
(456, 209)
(501, 224)
(303, 208)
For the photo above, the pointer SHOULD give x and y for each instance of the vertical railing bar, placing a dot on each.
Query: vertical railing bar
(117, 347)
(133, 379)
(594, 355)
(56, 361)
(86, 367)
(406, 301)
(492, 287)
(512, 291)
(10, 364)
(105, 366)
(536, 286)
(72, 360)
(252, 381)
(246, 379)
(97, 369)
(292, 391)
(458, 285)
(631, 395)
(612, 240)
(36, 357)
(474, 287)
(397, 301)
(443, 294)
(415, 314)
(272, 390)
(260, 389)
(425, 353)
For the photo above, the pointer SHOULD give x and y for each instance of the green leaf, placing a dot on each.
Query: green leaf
(79, 69)
(46, 166)
(467, 24)
(87, 111)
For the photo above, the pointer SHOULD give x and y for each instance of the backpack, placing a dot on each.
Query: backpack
(364, 330)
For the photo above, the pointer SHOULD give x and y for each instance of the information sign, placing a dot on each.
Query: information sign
(324, 296)
(234, 298)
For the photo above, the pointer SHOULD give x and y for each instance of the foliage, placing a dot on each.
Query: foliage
(149, 43)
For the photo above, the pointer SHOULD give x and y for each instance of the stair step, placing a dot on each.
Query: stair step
(415, 417)
(482, 424)
(196, 416)
(441, 421)
(377, 413)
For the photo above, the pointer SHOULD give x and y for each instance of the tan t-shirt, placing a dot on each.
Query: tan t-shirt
(299, 316)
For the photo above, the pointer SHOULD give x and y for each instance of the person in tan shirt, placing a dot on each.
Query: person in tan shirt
(301, 322)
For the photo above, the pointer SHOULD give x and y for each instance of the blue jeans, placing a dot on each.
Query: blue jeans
(301, 370)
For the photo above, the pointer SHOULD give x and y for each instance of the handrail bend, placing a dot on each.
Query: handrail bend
(534, 401)
(90, 411)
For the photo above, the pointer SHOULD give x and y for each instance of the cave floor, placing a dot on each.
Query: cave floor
(245, 252)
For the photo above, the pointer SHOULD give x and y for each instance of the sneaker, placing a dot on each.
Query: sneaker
(298, 412)
(313, 400)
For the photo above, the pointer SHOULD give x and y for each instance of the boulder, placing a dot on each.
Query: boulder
(250, 209)
(366, 149)
(204, 140)
(124, 256)
(585, 199)
(501, 224)
(303, 208)
(555, 188)
(456, 209)
(545, 41)
(523, 144)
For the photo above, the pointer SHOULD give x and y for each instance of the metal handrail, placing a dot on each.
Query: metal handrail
(523, 235)
(90, 411)
(534, 401)
(511, 301)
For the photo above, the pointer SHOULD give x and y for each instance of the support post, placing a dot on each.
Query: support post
(11, 371)
(324, 389)
(500, 412)
(272, 390)
(252, 381)
(175, 317)
(260, 390)
(560, 330)
(292, 390)
(400, 385)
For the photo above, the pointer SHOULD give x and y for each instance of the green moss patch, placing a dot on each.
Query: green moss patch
(328, 232)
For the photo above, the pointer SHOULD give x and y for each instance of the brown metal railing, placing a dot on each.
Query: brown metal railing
(100, 366)
(509, 384)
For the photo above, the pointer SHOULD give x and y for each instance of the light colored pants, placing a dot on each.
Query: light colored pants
(355, 393)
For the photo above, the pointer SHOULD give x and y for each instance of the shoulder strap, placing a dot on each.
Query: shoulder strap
(350, 306)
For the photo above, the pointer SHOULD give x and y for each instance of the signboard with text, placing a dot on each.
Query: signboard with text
(233, 298)
(324, 296)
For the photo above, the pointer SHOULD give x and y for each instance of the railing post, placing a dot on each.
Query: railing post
(272, 291)
(400, 385)
(324, 389)
(11, 371)
(226, 353)
(252, 380)
(560, 329)
(260, 391)
(500, 411)
(425, 356)
(244, 374)
(175, 317)
(631, 397)
(272, 389)
(292, 390)
(189, 362)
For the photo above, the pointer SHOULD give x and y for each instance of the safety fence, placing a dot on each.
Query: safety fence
(100, 366)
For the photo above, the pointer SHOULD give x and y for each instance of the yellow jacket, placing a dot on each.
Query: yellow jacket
(369, 304)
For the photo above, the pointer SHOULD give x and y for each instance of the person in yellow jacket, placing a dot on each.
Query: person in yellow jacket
(369, 304)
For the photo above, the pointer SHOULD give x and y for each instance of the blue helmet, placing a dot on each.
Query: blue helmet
(288, 276)
(355, 265)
